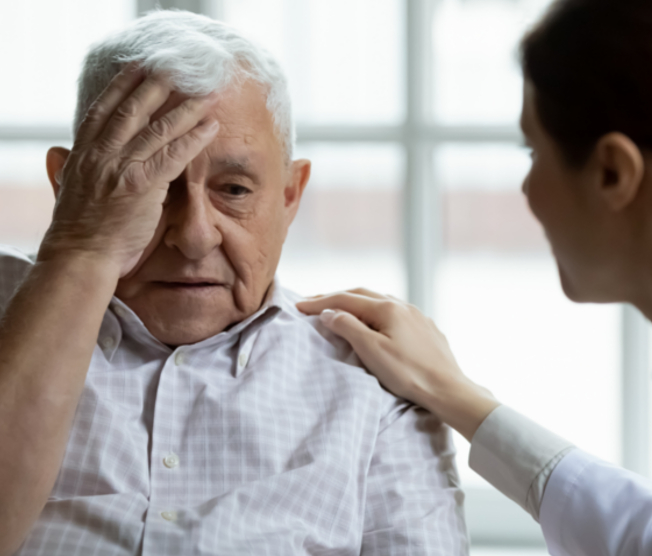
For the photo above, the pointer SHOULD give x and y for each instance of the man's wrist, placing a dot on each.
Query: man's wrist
(84, 269)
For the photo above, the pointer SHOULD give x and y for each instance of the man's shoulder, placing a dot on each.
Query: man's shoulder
(311, 333)
(310, 328)
(14, 265)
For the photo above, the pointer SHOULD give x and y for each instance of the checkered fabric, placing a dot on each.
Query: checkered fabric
(267, 439)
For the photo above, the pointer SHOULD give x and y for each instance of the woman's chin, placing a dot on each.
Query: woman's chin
(570, 288)
(586, 291)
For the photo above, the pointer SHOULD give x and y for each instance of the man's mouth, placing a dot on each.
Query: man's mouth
(190, 285)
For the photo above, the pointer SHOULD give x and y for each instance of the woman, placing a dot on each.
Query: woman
(587, 116)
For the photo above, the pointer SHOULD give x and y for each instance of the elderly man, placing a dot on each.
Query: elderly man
(159, 392)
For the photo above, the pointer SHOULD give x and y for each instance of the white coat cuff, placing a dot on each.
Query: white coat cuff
(517, 456)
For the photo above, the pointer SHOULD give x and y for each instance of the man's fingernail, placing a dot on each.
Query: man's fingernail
(327, 316)
(213, 126)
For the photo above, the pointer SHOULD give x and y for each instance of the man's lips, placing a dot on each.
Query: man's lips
(189, 283)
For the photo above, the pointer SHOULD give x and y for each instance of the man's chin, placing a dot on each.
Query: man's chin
(183, 320)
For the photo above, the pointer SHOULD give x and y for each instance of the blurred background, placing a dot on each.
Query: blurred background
(409, 111)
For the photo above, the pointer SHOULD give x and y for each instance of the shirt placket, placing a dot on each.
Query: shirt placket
(164, 528)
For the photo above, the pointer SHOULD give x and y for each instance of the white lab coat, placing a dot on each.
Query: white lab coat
(592, 508)
(585, 506)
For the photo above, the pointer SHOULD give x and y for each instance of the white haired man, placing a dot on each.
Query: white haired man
(159, 392)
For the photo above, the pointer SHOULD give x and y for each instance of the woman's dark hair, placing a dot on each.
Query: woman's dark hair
(590, 62)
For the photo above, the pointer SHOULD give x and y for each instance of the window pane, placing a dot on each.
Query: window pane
(348, 230)
(476, 77)
(26, 198)
(44, 43)
(499, 301)
(344, 58)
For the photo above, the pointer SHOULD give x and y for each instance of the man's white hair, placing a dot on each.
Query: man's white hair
(198, 54)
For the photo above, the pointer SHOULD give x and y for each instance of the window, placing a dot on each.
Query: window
(43, 44)
(409, 111)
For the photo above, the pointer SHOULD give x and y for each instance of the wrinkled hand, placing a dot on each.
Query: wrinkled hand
(407, 353)
(115, 180)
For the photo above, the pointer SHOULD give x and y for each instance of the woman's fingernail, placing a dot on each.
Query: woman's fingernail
(327, 315)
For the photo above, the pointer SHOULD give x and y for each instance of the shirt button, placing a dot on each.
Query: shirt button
(119, 311)
(242, 360)
(171, 461)
(169, 516)
(108, 343)
(178, 358)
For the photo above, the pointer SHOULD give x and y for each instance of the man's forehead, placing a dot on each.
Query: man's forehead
(242, 105)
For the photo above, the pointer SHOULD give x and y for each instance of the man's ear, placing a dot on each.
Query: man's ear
(622, 168)
(54, 162)
(299, 176)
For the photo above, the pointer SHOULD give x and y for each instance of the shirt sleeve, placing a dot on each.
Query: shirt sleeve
(517, 456)
(414, 504)
(593, 508)
(13, 268)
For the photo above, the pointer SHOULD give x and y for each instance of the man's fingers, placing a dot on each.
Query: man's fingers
(168, 163)
(120, 87)
(134, 113)
(173, 125)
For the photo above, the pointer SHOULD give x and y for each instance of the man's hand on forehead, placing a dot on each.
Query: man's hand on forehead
(137, 137)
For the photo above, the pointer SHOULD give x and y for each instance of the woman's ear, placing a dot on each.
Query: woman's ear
(54, 162)
(622, 168)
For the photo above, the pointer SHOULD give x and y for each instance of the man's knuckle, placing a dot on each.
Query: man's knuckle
(97, 111)
(161, 128)
(129, 109)
(133, 178)
(89, 161)
(174, 152)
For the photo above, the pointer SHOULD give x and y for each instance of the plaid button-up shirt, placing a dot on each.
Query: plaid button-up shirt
(267, 439)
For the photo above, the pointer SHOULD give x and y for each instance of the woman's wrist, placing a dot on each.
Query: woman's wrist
(460, 403)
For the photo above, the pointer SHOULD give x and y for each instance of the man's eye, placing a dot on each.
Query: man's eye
(236, 190)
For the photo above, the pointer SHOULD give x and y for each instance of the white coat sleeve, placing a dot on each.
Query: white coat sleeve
(517, 456)
(592, 508)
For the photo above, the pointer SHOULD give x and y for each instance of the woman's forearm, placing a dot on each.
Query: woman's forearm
(458, 402)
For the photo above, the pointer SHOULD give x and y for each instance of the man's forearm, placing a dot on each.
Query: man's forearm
(47, 339)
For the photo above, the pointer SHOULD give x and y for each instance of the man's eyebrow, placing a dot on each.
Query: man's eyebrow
(242, 166)
(238, 165)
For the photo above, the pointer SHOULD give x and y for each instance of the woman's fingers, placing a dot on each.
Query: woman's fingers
(362, 338)
(362, 307)
(367, 293)
(408, 354)
(118, 90)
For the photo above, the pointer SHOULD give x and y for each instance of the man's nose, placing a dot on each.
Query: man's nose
(191, 225)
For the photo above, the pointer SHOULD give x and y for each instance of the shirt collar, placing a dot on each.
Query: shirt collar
(119, 320)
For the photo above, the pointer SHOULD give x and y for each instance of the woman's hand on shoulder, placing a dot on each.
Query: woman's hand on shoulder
(408, 354)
